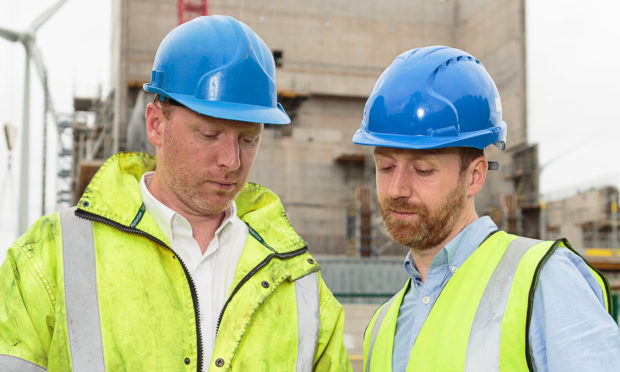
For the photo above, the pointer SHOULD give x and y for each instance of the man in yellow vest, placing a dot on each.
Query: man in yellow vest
(477, 299)
(183, 266)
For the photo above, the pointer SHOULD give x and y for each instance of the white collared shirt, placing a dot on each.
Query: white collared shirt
(213, 272)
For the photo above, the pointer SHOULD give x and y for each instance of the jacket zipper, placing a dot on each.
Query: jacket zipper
(97, 218)
(252, 272)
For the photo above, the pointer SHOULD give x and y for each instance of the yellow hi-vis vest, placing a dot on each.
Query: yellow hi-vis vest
(480, 321)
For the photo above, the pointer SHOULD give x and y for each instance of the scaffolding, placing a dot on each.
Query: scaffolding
(521, 210)
(84, 140)
(64, 165)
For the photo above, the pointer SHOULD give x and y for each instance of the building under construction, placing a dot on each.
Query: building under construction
(328, 56)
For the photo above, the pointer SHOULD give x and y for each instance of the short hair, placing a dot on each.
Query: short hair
(468, 154)
(166, 104)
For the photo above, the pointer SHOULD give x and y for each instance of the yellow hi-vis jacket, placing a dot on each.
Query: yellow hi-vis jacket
(481, 318)
(124, 301)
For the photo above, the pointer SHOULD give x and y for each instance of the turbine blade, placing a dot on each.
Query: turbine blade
(8, 34)
(37, 58)
(43, 17)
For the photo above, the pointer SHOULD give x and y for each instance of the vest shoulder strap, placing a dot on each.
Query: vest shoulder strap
(483, 347)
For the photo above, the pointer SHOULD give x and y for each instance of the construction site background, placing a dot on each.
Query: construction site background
(328, 56)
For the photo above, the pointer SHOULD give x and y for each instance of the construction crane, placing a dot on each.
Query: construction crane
(189, 10)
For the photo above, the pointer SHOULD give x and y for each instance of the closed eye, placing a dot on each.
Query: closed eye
(209, 135)
(424, 172)
(250, 140)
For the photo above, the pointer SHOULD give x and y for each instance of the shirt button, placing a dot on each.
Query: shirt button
(265, 284)
(453, 269)
(187, 361)
(426, 300)
(219, 362)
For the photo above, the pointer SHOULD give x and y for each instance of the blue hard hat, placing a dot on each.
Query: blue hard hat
(218, 66)
(433, 97)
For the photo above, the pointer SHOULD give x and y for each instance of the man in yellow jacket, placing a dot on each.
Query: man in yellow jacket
(176, 263)
(477, 299)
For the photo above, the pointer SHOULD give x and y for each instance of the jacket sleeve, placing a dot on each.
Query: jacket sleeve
(26, 303)
(331, 355)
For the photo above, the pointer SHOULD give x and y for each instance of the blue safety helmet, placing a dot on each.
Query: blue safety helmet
(430, 98)
(218, 66)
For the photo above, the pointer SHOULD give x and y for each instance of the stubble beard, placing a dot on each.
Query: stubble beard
(432, 227)
(205, 202)
(193, 191)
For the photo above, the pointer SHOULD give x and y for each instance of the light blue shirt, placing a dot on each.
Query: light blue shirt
(570, 329)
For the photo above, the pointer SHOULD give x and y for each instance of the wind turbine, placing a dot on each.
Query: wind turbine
(28, 38)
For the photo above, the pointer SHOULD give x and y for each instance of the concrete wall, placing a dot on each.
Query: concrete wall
(571, 217)
(302, 169)
(340, 47)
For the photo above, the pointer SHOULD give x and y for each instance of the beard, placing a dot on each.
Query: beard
(433, 225)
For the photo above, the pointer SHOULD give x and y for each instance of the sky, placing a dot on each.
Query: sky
(573, 86)
(573, 93)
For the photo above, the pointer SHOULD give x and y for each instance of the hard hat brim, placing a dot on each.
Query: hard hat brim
(478, 139)
(228, 110)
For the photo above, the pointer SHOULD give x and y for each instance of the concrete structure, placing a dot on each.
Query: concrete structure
(329, 54)
(588, 219)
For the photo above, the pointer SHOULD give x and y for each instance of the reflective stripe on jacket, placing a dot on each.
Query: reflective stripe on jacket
(481, 318)
(145, 298)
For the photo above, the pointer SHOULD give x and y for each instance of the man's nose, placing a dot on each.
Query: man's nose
(228, 153)
(400, 185)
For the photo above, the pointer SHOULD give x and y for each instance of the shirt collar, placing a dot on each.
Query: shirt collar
(458, 249)
(164, 216)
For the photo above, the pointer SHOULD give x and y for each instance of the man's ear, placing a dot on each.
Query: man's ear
(477, 174)
(155, 123)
